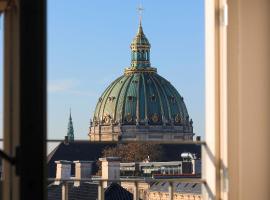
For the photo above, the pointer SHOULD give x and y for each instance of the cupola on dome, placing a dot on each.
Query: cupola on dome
(140, 104)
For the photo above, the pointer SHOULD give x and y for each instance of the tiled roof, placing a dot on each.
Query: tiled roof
(86, 191)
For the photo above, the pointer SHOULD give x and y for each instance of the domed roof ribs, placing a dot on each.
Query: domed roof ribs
(160, 100)
(107, 98)
(173, 92)
(145, 102)
(166, 97)
(104, 100)
(138, 101)
(125, 96)
(117, 98)
(182, 110)
(98, 107)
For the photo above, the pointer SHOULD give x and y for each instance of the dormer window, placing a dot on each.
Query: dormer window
(153, 98)
(131, 98)
(172, 99)
(111, 98)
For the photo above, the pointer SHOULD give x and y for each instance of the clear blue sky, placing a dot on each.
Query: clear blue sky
(88, 47)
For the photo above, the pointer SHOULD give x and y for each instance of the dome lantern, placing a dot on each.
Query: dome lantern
(140, 50)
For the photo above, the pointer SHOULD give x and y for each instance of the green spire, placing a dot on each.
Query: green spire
(70, 132)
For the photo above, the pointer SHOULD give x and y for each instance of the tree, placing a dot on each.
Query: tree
(135, 152)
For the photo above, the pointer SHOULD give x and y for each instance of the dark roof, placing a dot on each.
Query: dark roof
(92, 151)
(116, 192)
(75, 151)
(88, 191)
(85, 191)
(179, 187)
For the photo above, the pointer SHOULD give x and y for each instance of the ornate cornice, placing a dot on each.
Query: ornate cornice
(133, 70)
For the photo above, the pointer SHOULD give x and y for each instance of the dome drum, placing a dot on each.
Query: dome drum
(140, 133)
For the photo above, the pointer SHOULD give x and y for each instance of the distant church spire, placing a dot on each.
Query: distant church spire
(70, 131)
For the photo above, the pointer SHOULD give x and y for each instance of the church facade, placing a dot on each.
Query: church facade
(140, 105)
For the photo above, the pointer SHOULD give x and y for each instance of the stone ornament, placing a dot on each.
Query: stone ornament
(129, 118)
(178, 119)
(155, 118)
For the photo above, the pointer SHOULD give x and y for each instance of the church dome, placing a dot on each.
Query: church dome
(140, 104)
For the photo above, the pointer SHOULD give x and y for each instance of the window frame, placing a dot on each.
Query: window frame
(16, 82)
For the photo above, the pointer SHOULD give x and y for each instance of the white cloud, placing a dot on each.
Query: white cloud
(57, 86)
(68, 86)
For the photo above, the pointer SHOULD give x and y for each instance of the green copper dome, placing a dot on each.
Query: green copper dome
(140, 103)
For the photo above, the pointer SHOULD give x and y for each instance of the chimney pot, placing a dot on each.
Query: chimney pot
(110, 169)
(63, 170)
(83, 169)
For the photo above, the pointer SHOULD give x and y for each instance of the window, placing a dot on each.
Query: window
(153, 98)
(131, 98)
(42, 111)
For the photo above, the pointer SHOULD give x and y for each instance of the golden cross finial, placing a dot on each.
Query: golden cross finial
(140, 10)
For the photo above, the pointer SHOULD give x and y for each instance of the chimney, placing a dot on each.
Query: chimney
(83, 170)
(110, 169)
(66, 140)
(63, 170)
